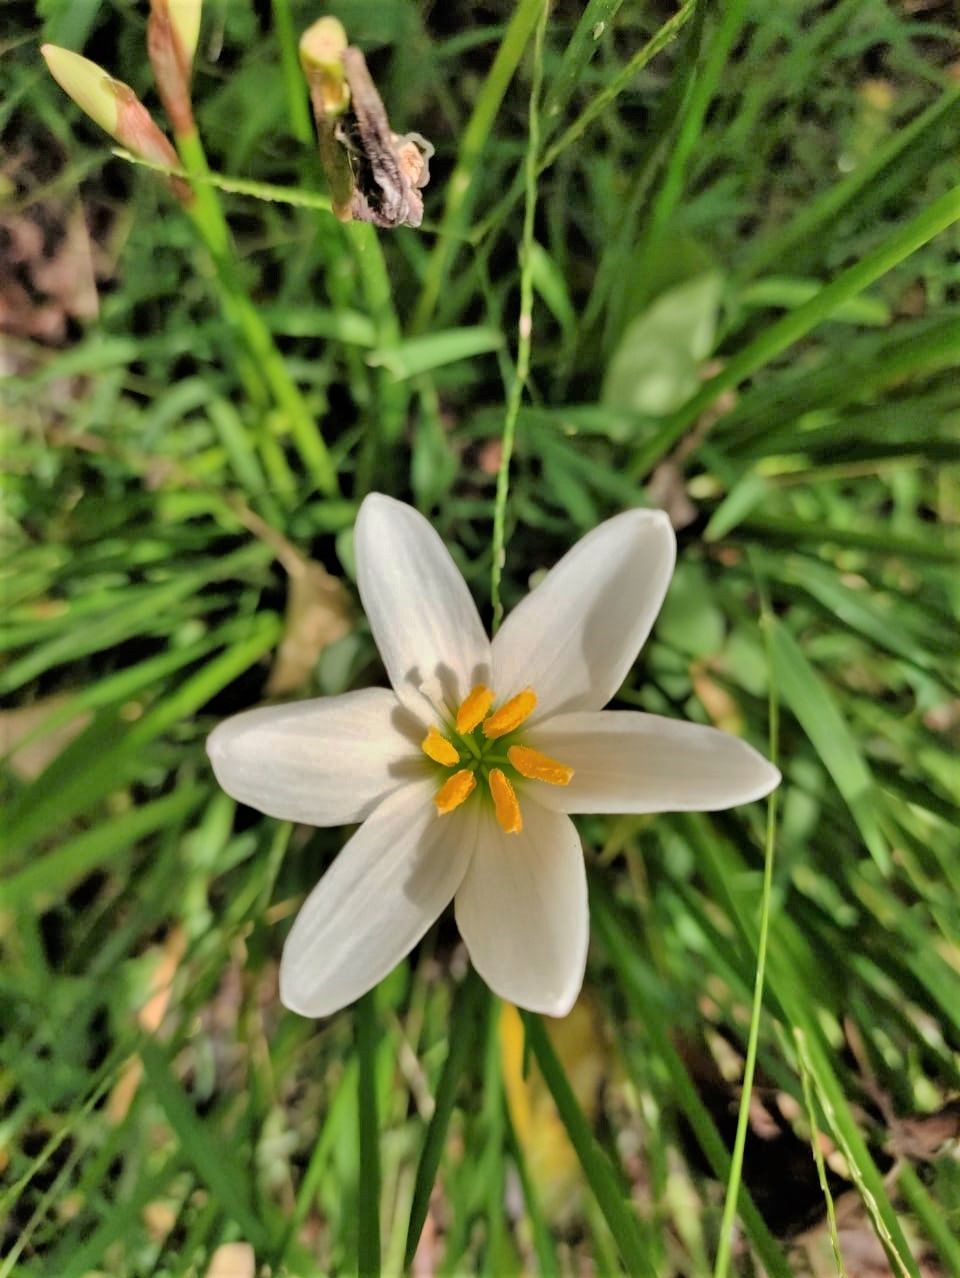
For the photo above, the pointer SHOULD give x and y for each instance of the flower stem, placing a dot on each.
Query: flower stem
(460, 185)
(298, 112)
(461, 1040)
(368, 1189)
(209, 219)
(743, 1117)
(524, 326)
(599, 1171)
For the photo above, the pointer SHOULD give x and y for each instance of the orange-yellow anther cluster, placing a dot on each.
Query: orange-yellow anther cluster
(479, 753)
(455, 790)
(535, 766)
(439, 749)
(475, 708)
(505, 802)
(510, 715)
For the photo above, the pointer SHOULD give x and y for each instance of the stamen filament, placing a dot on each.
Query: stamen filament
(510, 715)
(505, 802)
(475, 708)
(539, 767)
(439, 749)
(454, 791)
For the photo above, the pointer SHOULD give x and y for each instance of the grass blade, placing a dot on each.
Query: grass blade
(57, 872)
(722, 1263)
(635, 984)
(937, 217)
(461, 1040)
(368, 1189)
(599, 1171)
(817, 713)
(201, 1146)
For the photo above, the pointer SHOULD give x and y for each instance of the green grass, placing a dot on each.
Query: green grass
(253, 370)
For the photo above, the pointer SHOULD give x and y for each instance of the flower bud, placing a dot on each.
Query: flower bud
(93, 90)
(321, 49)
(115, 107)
(171, 66)
(185, 17)
(321, 52)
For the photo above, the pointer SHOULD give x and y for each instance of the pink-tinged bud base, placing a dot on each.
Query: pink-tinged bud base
(171, 67)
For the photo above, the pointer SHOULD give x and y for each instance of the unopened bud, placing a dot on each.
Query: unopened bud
(93, 90)
(138, 131)
(116, 108)
(321, 52)
(321, 49)
(185, 17)
(171, 66)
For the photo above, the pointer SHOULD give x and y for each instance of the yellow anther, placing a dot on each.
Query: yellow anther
(539, 767)
(454, 791)
(505, 802)
(439, 749)
(475, 708)
(511, 714)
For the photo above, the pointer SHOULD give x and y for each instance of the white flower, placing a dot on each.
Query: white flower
(465, 774)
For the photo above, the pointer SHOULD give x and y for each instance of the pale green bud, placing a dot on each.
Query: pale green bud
(185, 17)
(321, 49)
(93, 90)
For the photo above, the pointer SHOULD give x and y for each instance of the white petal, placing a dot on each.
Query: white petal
(522, 910)
(421, 613)
(625, 761)
(387, 885)
(324, 762)
(576, 635)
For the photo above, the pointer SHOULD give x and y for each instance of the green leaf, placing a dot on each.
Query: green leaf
(57, 872)
(461, 1040)
(786, 292)
(816, 711)
(368, 1186)
(603, 1178)
(203, 1145)
(655, 368)
(690, 621)
(422, 354)
(549, 283)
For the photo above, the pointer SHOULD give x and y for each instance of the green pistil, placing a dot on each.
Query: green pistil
(478, 754)
(468, 744)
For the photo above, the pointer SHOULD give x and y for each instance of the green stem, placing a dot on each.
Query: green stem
(524, 327)
(705, 83)
(460, 186)
(298, 113)
(599, 1171)
(368, 1190)
(600, 101)
(942, 213)
(743, 1117)
(208, 217)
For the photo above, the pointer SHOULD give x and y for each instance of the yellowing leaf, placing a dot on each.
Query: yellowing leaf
(232, 1260)
(551, 1161)
(89, 85)
(319, 612)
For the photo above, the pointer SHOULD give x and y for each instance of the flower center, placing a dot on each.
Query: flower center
(481, 746)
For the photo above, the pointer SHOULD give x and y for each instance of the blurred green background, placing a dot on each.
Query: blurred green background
(745, 268)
